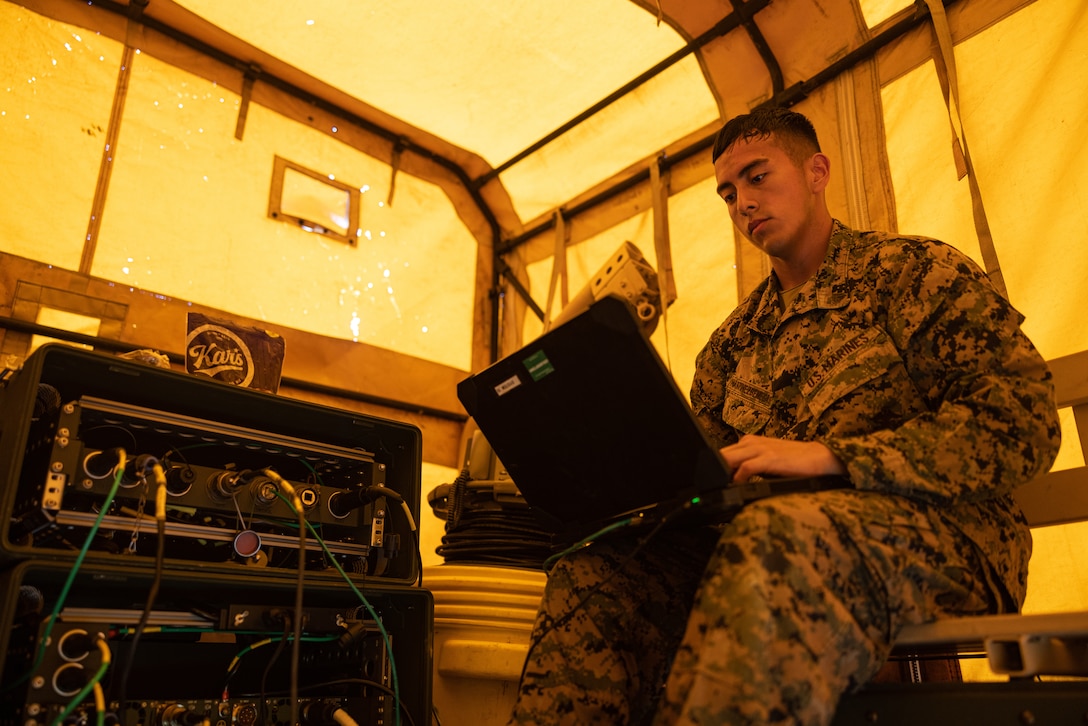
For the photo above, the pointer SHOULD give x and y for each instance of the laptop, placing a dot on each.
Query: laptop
(593, 429)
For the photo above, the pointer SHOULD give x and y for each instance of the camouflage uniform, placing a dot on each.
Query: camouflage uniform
(903, 360)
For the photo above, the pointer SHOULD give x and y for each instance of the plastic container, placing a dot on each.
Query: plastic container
(483, 617)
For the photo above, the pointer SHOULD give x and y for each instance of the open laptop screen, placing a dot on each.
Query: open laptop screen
(589, 423)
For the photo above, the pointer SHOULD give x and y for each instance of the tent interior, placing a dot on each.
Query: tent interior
(406, 192)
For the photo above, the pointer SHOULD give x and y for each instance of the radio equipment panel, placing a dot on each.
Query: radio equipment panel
(85, 437)
(214, 650)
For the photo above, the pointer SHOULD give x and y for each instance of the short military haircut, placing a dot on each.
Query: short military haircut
(793, 131)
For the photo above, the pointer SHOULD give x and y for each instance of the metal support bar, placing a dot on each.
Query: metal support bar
(510, 277)
(788, 97)
(747, 13)
(960, 704)
(330, 107)
(724, 26)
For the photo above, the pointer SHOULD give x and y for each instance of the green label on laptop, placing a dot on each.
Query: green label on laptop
(538, 365)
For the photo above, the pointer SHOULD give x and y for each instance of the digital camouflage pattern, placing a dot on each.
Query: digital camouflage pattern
(901, 357)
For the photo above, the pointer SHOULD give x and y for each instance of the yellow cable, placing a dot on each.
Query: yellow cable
(160, 492)
(104, 648)
(237, 658)
(99, 704)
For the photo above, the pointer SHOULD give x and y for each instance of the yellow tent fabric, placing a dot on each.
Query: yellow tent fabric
(139, 146)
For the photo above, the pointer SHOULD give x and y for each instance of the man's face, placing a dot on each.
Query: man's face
(770, 199)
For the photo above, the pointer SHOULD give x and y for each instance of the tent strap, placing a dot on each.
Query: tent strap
(659, 191)
(394, 165)
(248, 79)
(945, 61)
(113, 131)
(559, 269)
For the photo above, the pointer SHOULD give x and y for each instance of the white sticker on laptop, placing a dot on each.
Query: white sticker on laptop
(508, 385)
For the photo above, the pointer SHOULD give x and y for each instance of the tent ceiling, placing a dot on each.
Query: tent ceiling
(533, 107)
(511, 114)
(548, 98)
(491, 82)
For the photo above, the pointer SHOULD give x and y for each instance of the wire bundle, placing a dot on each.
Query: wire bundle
(150, 466)
(487, 522)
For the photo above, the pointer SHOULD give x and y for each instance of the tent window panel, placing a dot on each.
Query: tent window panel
(187, 216)
(53, 121)
(64, 320)
(314, 202)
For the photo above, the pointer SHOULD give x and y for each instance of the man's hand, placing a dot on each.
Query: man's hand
(754, 455)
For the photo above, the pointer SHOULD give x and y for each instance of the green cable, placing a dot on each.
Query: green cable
(587, 541)
(366, 604)
(75, 570)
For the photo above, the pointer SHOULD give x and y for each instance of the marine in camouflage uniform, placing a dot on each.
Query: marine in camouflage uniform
(900, 357)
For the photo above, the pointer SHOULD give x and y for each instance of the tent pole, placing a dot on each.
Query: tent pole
(787, 97)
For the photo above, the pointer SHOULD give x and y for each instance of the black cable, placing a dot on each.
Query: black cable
(456, 500)
(271, 662)
(512, 535)
(236, 663)
(363, 682)
(419, 557)
(303, 522)
(156, 580)
(482, 526)
(296, 504)
(413, 529)
(299, 613)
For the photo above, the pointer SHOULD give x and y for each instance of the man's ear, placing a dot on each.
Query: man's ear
(819, 171)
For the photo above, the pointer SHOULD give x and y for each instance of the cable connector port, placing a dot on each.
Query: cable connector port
(308, 497)
(225, 484)
(176, 714)
(277, 617)
(179, 480)
(282, 617)
(377, 530)
(264, 491)
(137, 469)
(244, 714)
(319, 713)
